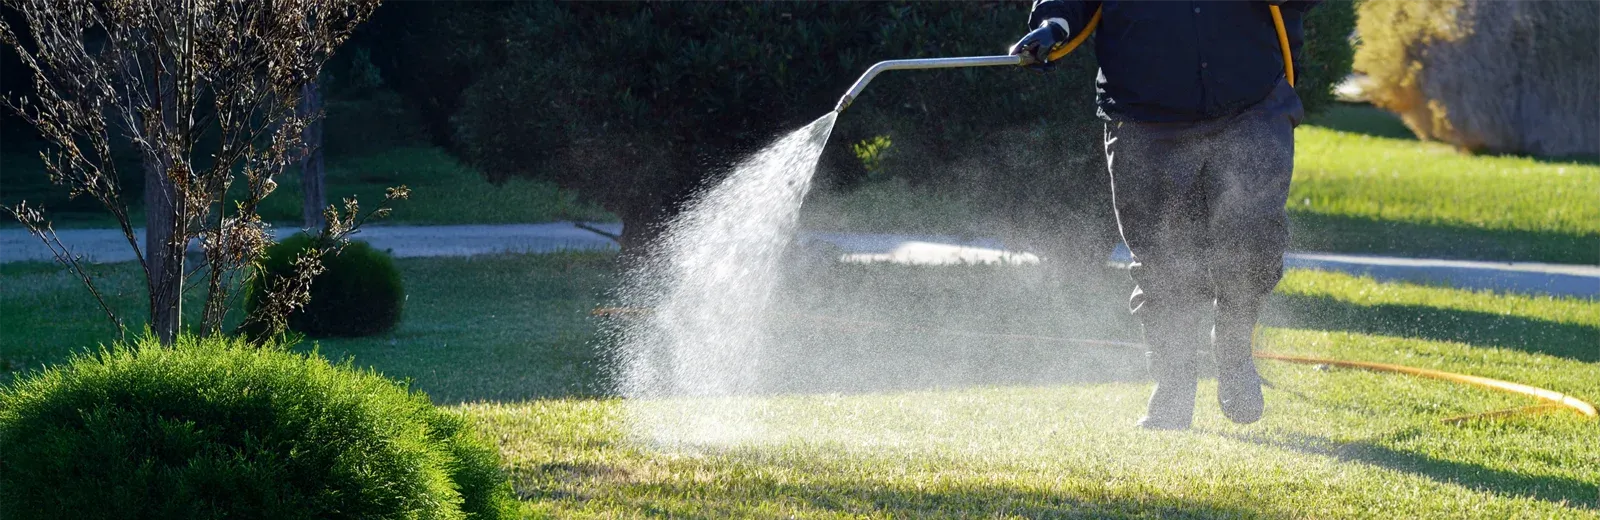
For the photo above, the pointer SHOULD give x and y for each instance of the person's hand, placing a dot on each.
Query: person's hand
(1275, 2)
(1036, 46)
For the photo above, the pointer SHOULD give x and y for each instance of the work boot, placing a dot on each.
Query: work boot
(1238, 383)
(1171, 406)
(1172, 364)
(1239, 391)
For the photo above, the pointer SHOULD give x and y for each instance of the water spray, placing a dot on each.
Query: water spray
(687, 365)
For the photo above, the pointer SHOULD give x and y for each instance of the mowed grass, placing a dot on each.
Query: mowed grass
(1356, 192)
(1335, 444)
(443, 191)
(1362, 185)
(501, 328)
(508, 341)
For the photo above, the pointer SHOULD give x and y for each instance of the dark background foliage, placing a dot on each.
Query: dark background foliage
(636, 105)
(1325, 58)
(639, 105)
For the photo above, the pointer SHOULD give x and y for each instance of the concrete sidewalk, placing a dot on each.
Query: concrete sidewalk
(108, 245)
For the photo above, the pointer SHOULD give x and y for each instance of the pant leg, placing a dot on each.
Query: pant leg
(1161, 211)
(1247, 182)
(1160, 207)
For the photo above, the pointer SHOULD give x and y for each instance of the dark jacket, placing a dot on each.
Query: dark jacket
(1170, 61)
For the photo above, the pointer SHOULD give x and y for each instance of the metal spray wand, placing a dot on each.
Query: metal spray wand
(1022, 59)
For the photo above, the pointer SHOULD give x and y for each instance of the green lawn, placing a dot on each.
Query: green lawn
(443, 191)
(998, 432)
(502, 328)
(1358, 193)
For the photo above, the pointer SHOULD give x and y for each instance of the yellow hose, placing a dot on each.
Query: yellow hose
(1277, 23)
(1283, 43)
(1094, 21)
(1549, 396)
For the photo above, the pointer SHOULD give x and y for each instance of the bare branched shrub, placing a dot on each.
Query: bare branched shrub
(284, 295)
(206, 91)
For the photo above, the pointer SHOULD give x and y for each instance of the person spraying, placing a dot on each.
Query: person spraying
(1199, 110)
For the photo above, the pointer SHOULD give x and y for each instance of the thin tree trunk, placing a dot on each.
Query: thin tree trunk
(164, 255)
(312, 173)
(166, 224)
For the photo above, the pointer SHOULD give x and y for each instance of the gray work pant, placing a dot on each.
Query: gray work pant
(1201, 206)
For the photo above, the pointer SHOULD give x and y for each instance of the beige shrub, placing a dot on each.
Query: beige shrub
(1487, 75)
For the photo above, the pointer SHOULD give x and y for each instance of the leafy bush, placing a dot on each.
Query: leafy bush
(1326, 53)
(1505, 77)
(215, 428)
(474, 467)
(359, 294)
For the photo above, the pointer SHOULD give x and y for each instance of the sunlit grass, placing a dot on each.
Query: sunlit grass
(511, 336)
(1363, 184)
(1362, 291)
(1400, 180)
(1335, 443)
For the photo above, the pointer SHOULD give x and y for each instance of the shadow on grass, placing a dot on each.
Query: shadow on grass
(997, 501)
(1362, 119)
(747, 495)
(1321, 232)
(1558, 490)
(1577, 342)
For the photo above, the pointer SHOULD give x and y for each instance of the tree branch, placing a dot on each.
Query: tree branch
(34, 220)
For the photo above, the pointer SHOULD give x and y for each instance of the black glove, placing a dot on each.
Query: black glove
(1036, 46)
(1275, 2)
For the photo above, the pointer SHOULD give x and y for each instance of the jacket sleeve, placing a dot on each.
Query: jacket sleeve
(1073, 13)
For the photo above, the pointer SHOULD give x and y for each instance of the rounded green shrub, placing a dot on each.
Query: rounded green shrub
(216, 428)
(359, 294)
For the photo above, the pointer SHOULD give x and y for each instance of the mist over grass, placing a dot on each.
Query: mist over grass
(1362, 184)
(954, 433)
